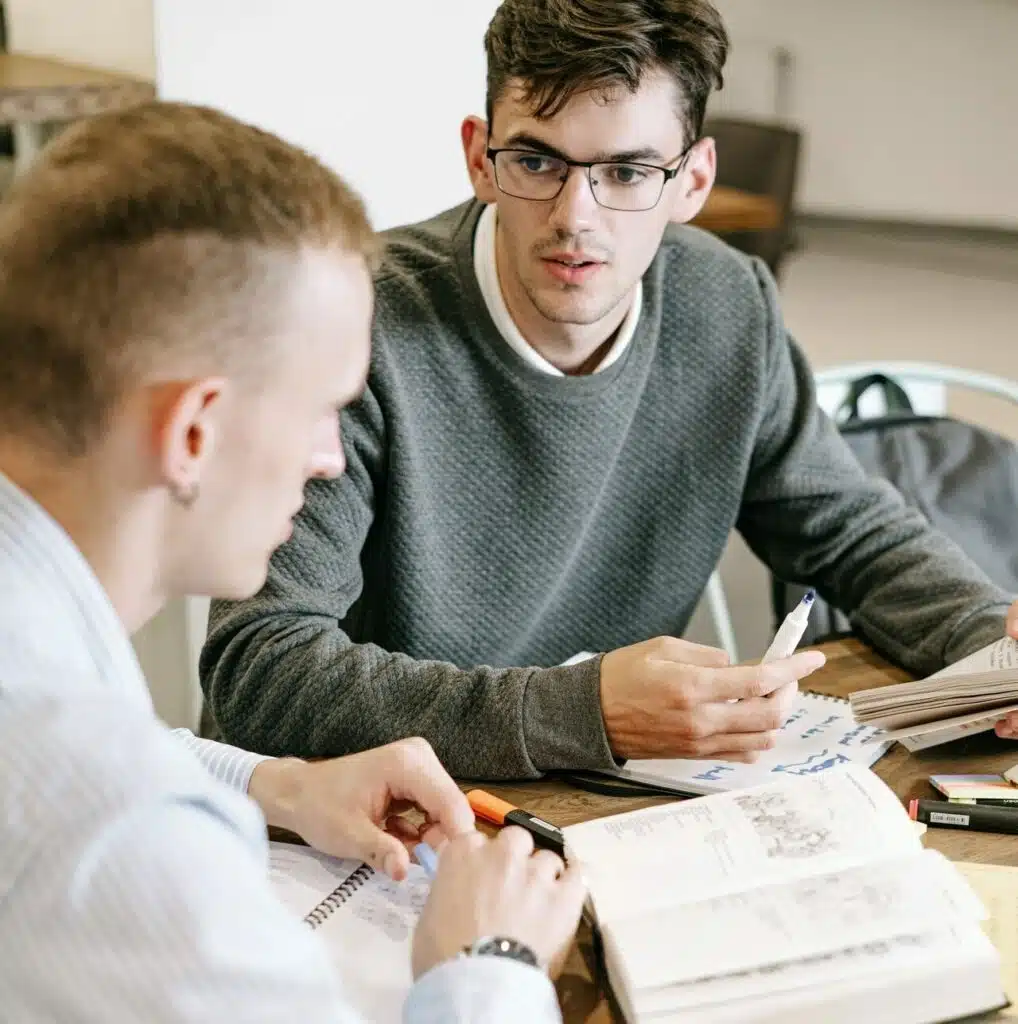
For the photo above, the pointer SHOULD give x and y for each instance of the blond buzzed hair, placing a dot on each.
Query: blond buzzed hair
(146, 242)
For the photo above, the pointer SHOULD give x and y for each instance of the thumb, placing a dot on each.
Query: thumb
(382, 851)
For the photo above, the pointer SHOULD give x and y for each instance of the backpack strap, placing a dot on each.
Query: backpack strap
(895, 397)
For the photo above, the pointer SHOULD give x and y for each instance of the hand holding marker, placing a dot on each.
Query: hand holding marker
(500, 812)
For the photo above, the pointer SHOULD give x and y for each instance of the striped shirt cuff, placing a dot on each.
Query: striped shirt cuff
(230, 765)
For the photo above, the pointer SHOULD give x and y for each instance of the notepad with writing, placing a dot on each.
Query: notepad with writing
(818, 734)
(807, 899)
(366, 920)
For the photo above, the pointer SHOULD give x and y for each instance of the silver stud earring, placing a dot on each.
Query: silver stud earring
(185, 496)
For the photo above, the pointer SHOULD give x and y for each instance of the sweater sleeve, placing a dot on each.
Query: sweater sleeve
(282, 676)
(813, 515)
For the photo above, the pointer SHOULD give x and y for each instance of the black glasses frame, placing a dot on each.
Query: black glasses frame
(588, 165)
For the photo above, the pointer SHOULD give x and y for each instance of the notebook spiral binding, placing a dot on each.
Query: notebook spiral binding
(338, 897)
(826, 696)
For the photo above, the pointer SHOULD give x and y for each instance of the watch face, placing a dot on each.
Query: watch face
(509, 948)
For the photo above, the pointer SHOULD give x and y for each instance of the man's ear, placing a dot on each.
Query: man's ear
(693, 183)
(474, 135)
(184, 434)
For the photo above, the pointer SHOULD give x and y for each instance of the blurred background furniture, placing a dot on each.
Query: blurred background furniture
(734, 209)
(761, 158)
(37, 93)
(962, 478)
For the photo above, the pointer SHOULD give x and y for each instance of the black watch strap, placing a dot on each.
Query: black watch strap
(510, 949)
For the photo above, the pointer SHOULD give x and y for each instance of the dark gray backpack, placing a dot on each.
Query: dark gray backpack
(963, 478)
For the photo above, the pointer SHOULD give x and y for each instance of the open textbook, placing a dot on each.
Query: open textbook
(967, 697)
(807, 899)
(366, 920)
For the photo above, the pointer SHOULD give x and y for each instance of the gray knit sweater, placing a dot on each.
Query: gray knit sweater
(494, 521)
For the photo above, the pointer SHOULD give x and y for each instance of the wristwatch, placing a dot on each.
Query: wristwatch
(510, 949)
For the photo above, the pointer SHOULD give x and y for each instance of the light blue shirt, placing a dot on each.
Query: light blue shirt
(133, 867)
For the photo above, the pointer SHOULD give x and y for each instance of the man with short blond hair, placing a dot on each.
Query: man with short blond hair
(185, 305)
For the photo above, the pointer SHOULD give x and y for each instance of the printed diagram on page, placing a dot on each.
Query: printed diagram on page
(787, 831)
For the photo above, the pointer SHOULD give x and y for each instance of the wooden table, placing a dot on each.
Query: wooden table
(850, 666)
(35, 91)
(731, 209)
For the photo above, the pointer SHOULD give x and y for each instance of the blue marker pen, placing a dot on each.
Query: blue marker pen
(427, 858)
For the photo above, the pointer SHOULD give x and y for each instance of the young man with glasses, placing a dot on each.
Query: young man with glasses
(573, 400)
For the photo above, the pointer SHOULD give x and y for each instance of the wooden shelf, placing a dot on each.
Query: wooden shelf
(39, 89)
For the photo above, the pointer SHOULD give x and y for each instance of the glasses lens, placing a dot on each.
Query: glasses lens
(529, 175)
(627, 186)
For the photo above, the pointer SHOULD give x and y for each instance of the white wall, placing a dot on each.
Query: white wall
(111, 34)
(168, 648)
(910, 105)
(377, 90)
(363, 87)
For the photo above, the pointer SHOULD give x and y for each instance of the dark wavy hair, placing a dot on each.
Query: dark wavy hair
(557, 48)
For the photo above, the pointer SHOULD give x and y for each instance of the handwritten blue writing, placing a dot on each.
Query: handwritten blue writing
(813, 764)
(715, 773)
(794, 717)
(860, 730)
(817, 729)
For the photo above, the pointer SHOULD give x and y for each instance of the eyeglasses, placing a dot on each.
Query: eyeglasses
(629, 187)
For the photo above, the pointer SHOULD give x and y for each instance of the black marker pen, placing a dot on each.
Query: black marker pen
(501, 812)
(974, 817)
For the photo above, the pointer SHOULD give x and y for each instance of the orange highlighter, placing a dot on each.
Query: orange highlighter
(501, 812)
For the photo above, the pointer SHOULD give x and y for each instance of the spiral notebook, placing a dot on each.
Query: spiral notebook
(818, 734)
(366, 920)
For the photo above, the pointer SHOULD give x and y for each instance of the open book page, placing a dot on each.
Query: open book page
(795, 920)
(884, 965)
(729, 842)
(997, 887)
(1001, 654)
(366, 920)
